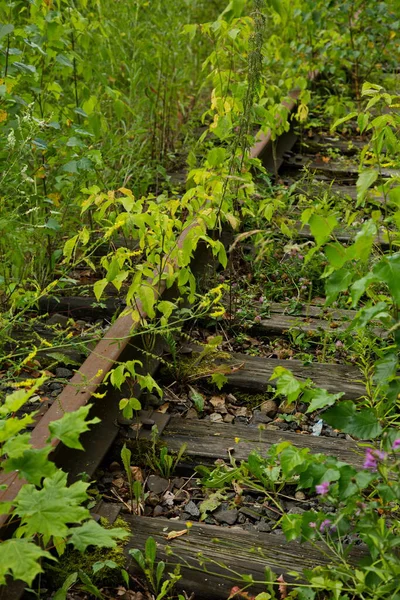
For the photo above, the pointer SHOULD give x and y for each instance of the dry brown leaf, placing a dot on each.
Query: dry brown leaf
(163, 408)
(282, 587)
(174, 534)
(137, 474)
(218, 402)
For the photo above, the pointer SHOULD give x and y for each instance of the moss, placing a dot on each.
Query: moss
(72, 561)
(251, 400)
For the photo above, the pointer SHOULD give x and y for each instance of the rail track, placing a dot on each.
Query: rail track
(245, 552)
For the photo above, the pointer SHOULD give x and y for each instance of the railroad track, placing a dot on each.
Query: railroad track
(241, 551)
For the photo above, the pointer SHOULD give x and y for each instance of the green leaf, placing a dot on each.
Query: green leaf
(322, 227)
(71, 426)
(99, 287)
(147, 297)
(364, 425)
(6, 29)
(137, 555)
(388, 271)
(88, 585)
(21, 558)
(364, 182)
(126, 456)
(24, 68)
(340, 415)
(216, 156)
(47, 512)
(219, 379)
(150, 551)
(287, 384)
(93, 534)
(64, 60)
(386, 369)
(321, 399)
(101, 564)
(61, 594)
(291, 526)
(33, 465)
(291, 457)
(16, 446)
(210, 504)
(343, 120)
(197, 399)
(337, 282)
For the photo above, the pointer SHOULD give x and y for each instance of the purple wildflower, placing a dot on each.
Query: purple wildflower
(371, 459)
(323, 488)
(261, 299)
(257, 318)
(339, 344)
(396, 444)
(313, 525)
(326, 524)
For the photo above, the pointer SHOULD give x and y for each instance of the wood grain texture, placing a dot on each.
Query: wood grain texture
(207, 440)
(254, 372)
(245, 552)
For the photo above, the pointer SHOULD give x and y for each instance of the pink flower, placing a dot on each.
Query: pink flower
(257, 319)
(261, 299)
(371, 459)
(326, 524)
(313, 525)
(396, 444)
(339, 344)
(323, 488)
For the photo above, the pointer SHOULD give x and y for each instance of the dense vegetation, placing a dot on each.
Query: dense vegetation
(122, 124)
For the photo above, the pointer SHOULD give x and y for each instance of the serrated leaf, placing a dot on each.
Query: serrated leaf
(33, 465)
(49, 511)
(21, 558)
(93, 534)
(71, 426)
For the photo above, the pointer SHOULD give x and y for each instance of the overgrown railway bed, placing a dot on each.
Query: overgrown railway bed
(214, 557)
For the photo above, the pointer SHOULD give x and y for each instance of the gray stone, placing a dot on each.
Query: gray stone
(55, 385)
(260, 417)
(192, 509)
(178, 482)
(157, 484)
(296, 510)
(158, 511)
(269, 408)
(271, 514)
(251, 512)
(152, 499)
(263, 526)
(63, 372)
(226, 516)
(58, 319)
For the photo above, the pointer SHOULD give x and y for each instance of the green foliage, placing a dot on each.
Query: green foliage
(155, 573)
(48, 510)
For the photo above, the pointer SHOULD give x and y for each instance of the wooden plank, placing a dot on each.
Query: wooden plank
(334, 169)
(279, 323)
(208, 441)
(254, 372)
(244, 552)
(322, 312)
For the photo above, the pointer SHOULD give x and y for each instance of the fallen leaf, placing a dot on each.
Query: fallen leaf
(282, 587)
(137, 474)
(219, 404)
(163, 408)
(174, 534)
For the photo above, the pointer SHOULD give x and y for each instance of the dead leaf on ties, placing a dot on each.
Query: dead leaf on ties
(174, 534)
(163, 408)
(282, 587)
